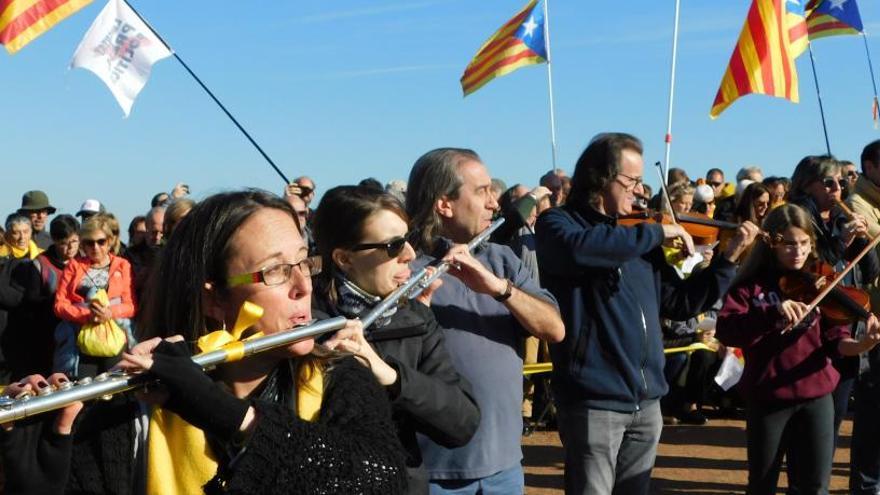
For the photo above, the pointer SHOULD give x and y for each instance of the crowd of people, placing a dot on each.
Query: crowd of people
(636, 309)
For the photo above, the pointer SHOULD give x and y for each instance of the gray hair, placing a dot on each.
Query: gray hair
(433, 176)
(749, 173)
(16, 219)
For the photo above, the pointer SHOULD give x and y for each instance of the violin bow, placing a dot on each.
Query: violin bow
(665, 193)
(829, 287)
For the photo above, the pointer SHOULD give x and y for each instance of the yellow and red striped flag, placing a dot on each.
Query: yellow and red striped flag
(22, 21)
(763, 59)
(518, 43)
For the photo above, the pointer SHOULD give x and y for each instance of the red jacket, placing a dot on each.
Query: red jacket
(72, 307)
(793, 366)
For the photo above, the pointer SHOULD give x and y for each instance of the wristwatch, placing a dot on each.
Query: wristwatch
(508, 291)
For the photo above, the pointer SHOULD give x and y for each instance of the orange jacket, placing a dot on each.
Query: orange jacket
(73, 307)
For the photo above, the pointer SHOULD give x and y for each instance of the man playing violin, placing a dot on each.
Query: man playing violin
(613, 285)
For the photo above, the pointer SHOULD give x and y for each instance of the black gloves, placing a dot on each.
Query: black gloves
(194, 396)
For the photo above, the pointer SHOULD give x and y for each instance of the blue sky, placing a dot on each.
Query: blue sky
(347, 89)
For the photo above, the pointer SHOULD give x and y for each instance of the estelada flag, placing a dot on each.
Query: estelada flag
(120, 49)
(518, 43)
(22, 21)
(763, 59)
(832, 18)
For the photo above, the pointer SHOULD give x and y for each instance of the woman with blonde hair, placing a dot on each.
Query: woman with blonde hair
(77, 302)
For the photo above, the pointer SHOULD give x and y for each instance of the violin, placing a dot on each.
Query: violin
(843, 305)
(703, 229)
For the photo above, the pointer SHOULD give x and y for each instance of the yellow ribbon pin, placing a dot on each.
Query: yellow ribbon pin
(248, 315)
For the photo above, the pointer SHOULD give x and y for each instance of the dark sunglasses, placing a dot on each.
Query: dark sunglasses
(392, 247)
(715, 184)
(852, 174)
(828, 182)
(94, 242)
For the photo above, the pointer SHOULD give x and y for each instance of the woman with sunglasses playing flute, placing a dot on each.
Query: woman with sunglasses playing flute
(361, 235)
(816, 185)
(296, 419)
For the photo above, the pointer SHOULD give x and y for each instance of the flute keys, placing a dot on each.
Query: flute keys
(47, 390)
(84, 381)
(102, 377)
(24, 396)
(6, 402)
(65, 386)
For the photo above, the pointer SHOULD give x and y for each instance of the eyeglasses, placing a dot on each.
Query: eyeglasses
(852, 174)
(636, 181)
(94, 242)
(276, 274)
(393, 247)
(829, 182)
(715, 184)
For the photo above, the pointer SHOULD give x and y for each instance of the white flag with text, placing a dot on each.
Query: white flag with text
(121, 50)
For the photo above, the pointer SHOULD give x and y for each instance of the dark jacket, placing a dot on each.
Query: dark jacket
(613, 286)
(12, 297)
(793, 366)
(430, 397)
(831, 250)
(351, 448)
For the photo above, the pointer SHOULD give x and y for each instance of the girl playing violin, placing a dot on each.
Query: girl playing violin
(788, 377)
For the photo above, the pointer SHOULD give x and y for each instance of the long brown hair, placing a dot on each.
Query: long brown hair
(339, 223)
(762, 257)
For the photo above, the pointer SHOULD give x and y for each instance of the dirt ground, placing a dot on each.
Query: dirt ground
(694, 460)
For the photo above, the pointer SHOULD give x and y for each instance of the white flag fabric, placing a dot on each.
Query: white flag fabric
(121, 50)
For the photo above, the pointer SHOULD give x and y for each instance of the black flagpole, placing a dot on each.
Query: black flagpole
(216, 100)
(819, 96)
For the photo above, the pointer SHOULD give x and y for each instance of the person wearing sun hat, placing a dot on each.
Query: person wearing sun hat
(35, 205)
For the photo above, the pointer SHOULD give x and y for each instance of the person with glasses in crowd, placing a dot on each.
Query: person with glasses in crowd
(298, 419)
(35, 205)
(851, 174)
(613, 286)
(816, 186)
(362, 236)
(788, 377)
(76, 305)
(29, 341)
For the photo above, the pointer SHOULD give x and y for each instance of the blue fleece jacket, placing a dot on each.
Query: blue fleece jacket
(613, 286)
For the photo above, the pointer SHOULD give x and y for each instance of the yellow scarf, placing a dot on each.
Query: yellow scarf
(179, 459)
(31, 252)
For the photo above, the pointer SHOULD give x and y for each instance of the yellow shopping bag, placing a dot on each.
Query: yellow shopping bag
(101, 339)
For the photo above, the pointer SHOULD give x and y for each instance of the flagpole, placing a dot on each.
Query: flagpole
(668, 137)
(819, 97)
(211, 94)
(876, 106)
(550, 82)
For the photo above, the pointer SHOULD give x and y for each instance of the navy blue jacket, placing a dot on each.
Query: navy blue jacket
(613, 286)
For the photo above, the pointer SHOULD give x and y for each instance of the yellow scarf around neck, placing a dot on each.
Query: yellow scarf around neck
(179, 459)
(30, 252)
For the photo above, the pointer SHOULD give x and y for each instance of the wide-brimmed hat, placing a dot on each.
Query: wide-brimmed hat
(35, 201)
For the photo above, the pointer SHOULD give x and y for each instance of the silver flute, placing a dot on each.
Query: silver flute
(117, 381)
(423, 279)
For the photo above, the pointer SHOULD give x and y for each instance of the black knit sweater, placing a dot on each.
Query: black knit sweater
(351, 449)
